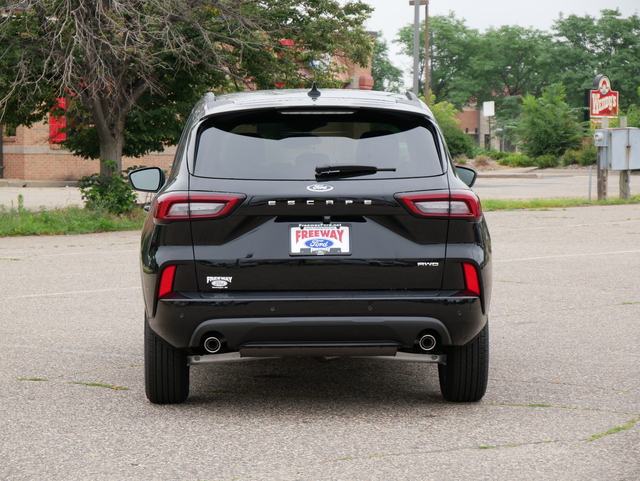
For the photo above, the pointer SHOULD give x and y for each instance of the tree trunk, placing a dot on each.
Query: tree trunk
(110, 132)
(111, 150)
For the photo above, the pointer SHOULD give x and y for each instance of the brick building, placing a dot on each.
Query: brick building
(31, 155)
(474, 123)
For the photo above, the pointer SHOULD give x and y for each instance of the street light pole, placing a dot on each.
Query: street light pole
(416, 47)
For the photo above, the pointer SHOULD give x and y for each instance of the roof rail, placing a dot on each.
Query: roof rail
(209, 98)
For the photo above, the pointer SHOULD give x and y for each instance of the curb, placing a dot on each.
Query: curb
(37, 183)
(489, 175)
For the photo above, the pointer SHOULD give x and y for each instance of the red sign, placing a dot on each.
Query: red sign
(603, 101)
(56, 124)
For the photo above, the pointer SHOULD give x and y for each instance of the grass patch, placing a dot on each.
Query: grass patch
(630, 424)
(71, 220)
(32, 379)
(99, 384)
(514, 204)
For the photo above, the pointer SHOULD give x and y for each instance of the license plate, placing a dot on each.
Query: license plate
(319, 240)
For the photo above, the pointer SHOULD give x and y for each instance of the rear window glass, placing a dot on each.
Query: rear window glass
(279, 145)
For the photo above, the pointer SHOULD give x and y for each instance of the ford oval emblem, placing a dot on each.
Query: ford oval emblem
(319, 243)
(319, 187)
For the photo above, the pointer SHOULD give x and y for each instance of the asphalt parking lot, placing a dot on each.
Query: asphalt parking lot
(563, 400)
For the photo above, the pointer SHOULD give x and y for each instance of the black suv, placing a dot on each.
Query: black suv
(315, 223)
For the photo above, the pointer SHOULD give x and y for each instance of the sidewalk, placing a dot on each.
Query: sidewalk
(36, 197)
(516, 183)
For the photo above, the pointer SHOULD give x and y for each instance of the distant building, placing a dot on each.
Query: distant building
(475, 124)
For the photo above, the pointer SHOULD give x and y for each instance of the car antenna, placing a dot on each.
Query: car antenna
(314, 93)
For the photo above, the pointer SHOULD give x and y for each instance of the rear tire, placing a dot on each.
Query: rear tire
(166, 371)
(464, 377)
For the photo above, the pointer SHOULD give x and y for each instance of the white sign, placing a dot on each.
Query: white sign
(489, 108)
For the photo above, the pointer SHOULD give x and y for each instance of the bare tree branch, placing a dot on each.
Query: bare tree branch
(108, 54)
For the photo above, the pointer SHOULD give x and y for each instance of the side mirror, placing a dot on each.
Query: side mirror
(148, 179)
(467, 175)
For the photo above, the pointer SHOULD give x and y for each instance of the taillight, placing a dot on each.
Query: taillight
(166, 281)
(183, 205)
(471, 280)
(462, 204)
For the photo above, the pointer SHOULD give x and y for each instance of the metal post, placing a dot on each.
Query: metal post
(416, 47)
(427, 80)
(490, 146)
(625, 191)
(602, 165)
(625, 175)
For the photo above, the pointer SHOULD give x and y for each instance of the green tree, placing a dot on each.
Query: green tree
(588, 46)
(511, 61)
(153, 57)
(466, 64)
(386, 76)
(633, 114)
(508, 111)
(548, 125)
(453, 45)
(458, 142)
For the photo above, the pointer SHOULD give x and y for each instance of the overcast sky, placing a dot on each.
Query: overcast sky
(391, 15)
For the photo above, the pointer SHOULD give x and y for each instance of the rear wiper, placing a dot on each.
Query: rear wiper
(348, 170)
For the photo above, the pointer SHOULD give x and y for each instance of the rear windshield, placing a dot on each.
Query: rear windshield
(282, 145)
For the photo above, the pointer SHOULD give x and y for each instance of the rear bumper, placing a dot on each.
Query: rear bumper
(242, 318)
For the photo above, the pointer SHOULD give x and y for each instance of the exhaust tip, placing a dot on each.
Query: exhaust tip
(212, 345)
(427, 342)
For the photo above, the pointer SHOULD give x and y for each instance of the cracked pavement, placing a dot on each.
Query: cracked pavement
(563, 400)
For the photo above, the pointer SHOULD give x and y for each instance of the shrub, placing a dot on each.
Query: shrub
(517, 160)
(546, 161)
(588, 155)
(458, 142)
(108, 192)
(481, 161)
(633, 115)
(497, 155)
(548, 125)
(570, 157)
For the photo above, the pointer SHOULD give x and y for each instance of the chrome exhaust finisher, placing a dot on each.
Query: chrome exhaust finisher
(427, 342)
(212, 345)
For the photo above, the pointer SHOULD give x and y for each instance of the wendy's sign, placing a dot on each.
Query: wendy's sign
(603, 101)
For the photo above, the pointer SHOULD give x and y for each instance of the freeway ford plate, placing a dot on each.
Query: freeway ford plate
(319, 240)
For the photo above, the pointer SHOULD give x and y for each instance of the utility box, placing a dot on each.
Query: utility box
(624, 147)
(601, 138)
